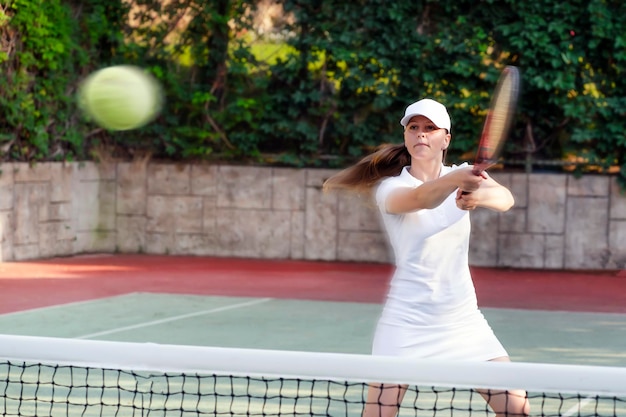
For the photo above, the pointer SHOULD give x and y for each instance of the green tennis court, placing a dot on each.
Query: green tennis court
(551, 317)
(322, 326)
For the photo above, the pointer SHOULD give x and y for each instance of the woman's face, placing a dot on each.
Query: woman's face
(424, 140)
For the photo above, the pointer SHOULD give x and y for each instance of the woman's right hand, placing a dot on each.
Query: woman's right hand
(467, 181)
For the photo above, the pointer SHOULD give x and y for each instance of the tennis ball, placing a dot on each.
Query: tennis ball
(120, 97)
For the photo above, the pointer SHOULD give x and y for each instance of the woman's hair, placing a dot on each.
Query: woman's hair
(387, 161)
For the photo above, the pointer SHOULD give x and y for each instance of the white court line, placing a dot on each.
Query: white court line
(576, 409)
(174, 318)
(65, 305)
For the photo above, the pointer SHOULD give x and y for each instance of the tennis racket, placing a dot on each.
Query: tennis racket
(499, 120)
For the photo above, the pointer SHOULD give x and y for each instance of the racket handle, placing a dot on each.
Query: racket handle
(478, 171)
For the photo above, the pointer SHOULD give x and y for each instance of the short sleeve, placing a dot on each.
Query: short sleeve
(386, 187)
(382, 192)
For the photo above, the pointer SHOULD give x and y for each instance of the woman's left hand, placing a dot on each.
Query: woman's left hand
(465, 201)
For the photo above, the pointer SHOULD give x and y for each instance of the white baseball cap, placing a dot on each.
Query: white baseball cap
(431, 109)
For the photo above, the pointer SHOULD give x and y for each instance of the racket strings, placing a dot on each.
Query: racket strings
(500, 117)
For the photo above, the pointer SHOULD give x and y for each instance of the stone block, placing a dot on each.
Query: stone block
(298, 243)
(96, 171)
(95, 209)
(204, 180)
(31, 199)
(197, 244)
(320, 224)
(25, 172)
(26, 252)
(189, 214)
(512, 221)
(57, 211)
(588, 186)
(169, 179)
(209, 215)
(617, 243)
(6, 186)
(107, 170)
(253, 233)
(160, 214)
(131, 192)
(519, 188)
(617, 197)
(357, 213)
(362, 247)
(93, 241)
(174, 214)
(6, 236)
(586, 241)
(546, 203)
(521, 250)
(503, 178)
(86, 209)
(131, 234)
(61, 183)
(288, 189)
(52, 241)
(106, 205)
(244, 187)
(554, 252)
(316, 177)
(65, 230)
(483, 250)
(159, 243)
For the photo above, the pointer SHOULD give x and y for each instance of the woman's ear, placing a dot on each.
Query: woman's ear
(446, 142)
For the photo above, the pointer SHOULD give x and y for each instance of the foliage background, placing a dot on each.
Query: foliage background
(316, 83)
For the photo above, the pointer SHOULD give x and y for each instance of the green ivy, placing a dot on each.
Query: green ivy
(326, 86)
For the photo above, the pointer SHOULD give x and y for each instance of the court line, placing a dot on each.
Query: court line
(65, 305)
(175, 318)
(576, 409)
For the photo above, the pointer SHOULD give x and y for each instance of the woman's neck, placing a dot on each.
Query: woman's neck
(425, 170)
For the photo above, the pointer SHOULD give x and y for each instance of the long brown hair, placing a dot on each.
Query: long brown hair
(387, 161)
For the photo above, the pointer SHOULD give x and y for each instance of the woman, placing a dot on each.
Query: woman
(431, 309)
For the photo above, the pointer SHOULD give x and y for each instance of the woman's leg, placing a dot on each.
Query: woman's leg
(383, 400)
(511, 403)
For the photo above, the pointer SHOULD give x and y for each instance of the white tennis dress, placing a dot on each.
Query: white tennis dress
(431, 309)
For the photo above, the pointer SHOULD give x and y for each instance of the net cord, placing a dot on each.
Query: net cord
(165, 358)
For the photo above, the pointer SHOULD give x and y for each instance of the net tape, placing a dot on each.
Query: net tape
(51, 377)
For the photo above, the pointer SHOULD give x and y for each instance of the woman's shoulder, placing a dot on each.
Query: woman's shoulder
(402, 177)
(449, 168)
(386, 185)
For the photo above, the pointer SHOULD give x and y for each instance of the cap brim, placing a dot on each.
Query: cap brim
(405, 120)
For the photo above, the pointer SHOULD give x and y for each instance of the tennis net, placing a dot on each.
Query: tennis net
(66, 377)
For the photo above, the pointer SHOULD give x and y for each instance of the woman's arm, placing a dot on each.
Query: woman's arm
(490, 194)
(432, 193)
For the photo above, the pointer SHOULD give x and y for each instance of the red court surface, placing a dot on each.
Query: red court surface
(35, 284)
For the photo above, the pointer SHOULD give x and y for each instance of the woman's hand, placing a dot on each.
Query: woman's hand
(488, 194)
(468, 181)
(466, 201)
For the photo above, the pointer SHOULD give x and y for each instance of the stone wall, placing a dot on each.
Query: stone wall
(62, 209)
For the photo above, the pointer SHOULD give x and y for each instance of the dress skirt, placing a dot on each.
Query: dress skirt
(469, 339)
